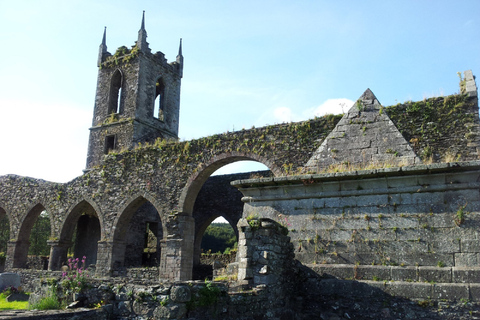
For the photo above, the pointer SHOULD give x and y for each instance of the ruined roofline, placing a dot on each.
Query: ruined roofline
(303, 179)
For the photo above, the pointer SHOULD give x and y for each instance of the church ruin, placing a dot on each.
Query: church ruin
(380, 192)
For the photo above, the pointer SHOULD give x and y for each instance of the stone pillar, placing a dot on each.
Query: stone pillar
(16, 254)
(110, 257)
(176, 261)
(265, 254)
(10, 253)
(58, 253)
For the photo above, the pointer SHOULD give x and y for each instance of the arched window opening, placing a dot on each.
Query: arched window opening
(218, 248)
(115, 98)
(219, 238)
(159, 104)
(4, 237)
(85, 238)
(143, 238)
(218, 207)
(39, 250)
(79, 236)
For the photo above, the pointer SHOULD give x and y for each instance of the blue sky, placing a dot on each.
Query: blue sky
(247, 63)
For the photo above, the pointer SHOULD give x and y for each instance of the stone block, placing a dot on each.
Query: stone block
(427, 198)
(338, 271)
(425, 259)
(450, 291)
(409, 290)
(466, 275)
(475, 291)
(372, 200)
(404, 273)
(348, 223)
(366, 272)
(438, 220)
(466, 259)
(445, 246)
(397, 182)
(434, 274)
(470, 246)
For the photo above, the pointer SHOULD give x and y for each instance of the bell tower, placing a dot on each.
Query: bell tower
(137, 98)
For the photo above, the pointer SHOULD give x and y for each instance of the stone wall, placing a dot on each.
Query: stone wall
(412, 224)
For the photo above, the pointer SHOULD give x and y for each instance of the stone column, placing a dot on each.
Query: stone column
(58, 253)
(16, 254)
(110, 257)
(176, 261)
(10, 254)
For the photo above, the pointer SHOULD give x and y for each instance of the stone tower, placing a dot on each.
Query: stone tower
(137, 98)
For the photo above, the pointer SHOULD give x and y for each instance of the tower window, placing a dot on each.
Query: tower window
(115, 98)
(159, 104)
(110, 143)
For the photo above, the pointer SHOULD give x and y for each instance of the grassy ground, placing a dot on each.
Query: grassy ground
(15, 305)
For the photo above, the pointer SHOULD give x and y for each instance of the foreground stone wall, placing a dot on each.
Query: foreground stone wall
(416, 223)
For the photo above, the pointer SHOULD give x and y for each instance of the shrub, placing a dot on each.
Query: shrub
(48, 303)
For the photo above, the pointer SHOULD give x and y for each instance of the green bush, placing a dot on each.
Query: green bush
(48, 303)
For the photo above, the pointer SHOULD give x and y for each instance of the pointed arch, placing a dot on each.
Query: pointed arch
(83, 217)
(115, 100)
(23, 236)
(128, 210)
(159, 101)
(200, 231)
(138, 224)
(74, 212)
(196, 181)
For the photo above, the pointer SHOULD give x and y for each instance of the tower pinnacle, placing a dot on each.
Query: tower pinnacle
(103, 48)
(142, 36)
(179, 59)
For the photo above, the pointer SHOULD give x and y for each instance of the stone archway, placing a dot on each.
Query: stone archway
(202, 211)
(138, 222)
(19, 248)
(196, 181)
(83, 221)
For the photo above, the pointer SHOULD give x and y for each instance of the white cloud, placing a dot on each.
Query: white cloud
(331, 106)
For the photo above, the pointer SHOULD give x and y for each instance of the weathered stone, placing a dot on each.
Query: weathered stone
(9, 279)
(180, 294)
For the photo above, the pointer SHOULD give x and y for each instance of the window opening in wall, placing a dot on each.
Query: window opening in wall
(149, 256)
(110, 143)
(158, 110)
(219, 237)
(119, 98)
(142, 237)
(115, 93)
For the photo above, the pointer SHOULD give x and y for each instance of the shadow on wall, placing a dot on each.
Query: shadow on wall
(324, 297)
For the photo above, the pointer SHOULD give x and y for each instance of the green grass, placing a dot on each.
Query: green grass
(47, 303)
(15, 305)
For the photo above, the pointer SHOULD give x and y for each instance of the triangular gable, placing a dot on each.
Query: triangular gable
(365, 135)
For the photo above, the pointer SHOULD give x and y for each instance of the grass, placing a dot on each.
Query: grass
(15, 305)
